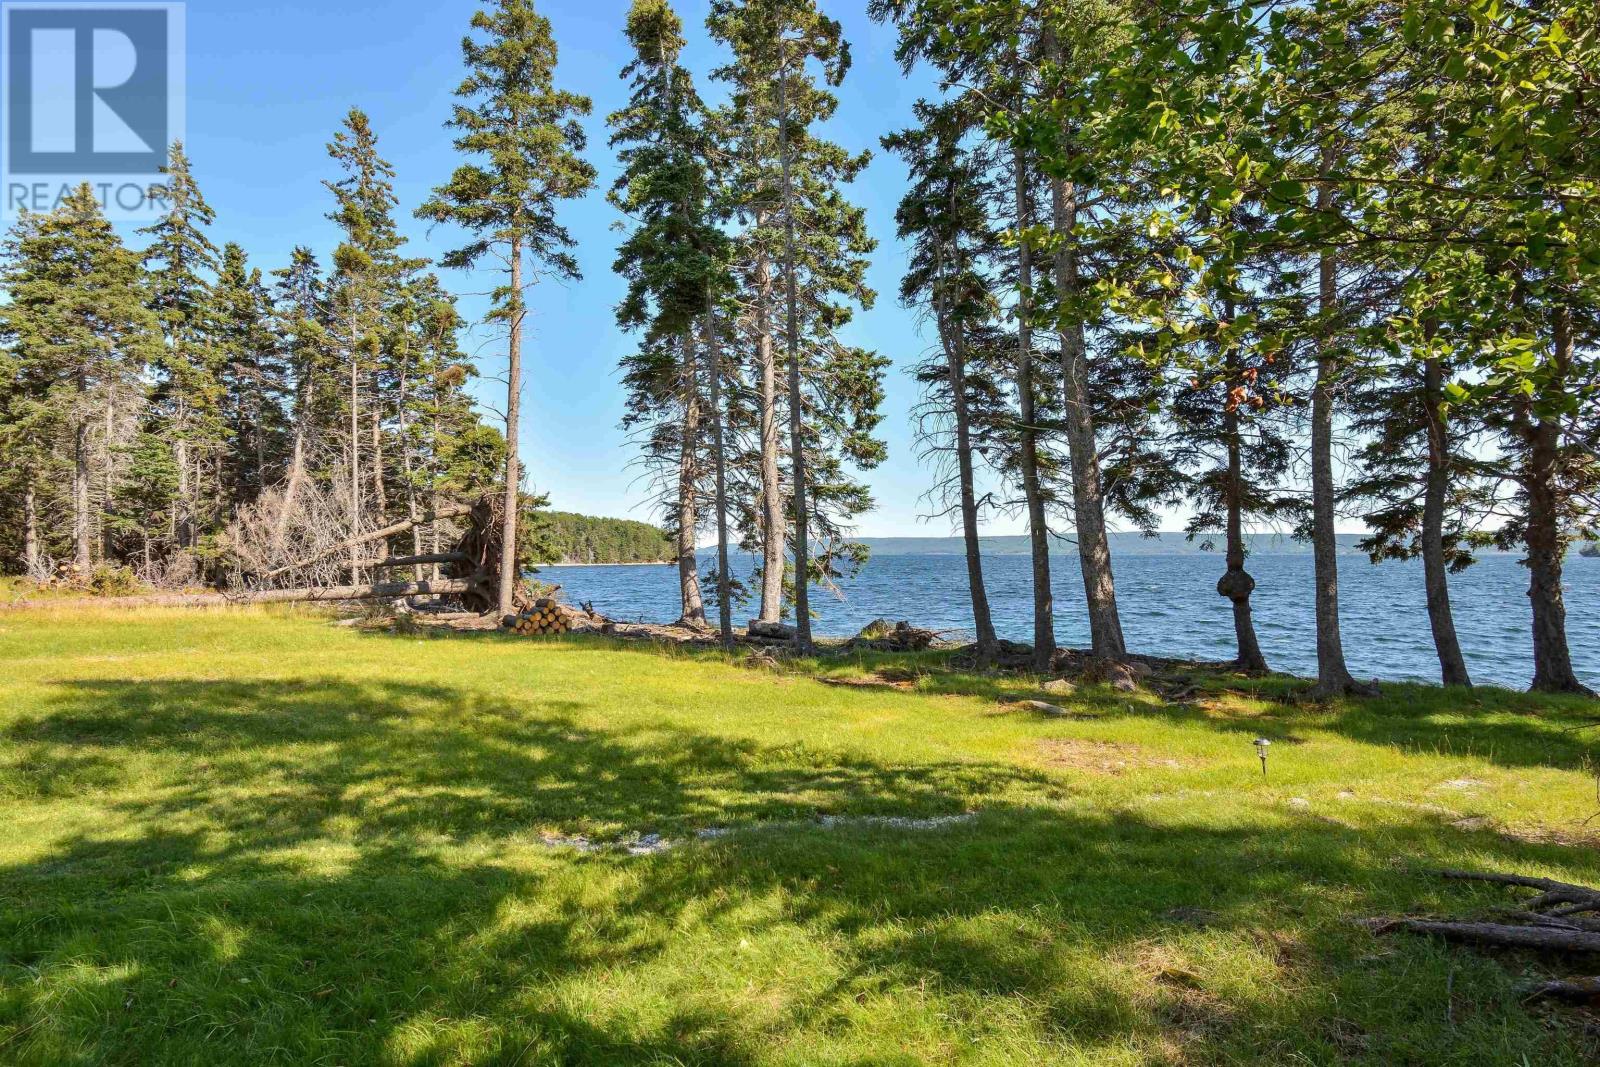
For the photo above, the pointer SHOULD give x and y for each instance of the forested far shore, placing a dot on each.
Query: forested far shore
(569, 538)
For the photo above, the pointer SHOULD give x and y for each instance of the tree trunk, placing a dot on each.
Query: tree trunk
(1088, 505)
(1552, 659)
(773, 524)
(1333, 677)
(30, 530)
(724, 579)
(291, 489)
(1452, 665)
(508, 536)
(380, 494)
(955, 360)
(1237, 584)
(183, 514)
(305, 391)
(1044, 623)
(108, 479)
(355, 452)
(797, 451)
(407, 467)
(80, 484)
(433, 493)
(694, 608)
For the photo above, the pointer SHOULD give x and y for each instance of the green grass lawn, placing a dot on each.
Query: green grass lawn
(238, 837)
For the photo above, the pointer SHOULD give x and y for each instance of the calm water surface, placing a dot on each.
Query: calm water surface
(1170, 606)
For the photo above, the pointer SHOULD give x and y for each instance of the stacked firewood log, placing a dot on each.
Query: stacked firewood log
(544, 618)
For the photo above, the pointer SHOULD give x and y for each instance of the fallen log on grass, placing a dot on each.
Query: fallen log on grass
(1578, 989)
(1549, 938)
(379, 591)
(1544, 923)
(1579, 897)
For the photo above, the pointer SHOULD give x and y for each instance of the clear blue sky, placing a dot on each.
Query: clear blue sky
(269, 83)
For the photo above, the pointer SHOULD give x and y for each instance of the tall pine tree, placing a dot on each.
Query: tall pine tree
(528, 134)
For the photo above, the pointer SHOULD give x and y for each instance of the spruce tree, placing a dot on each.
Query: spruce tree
(302, 326)
(367, 268)
(77, 316)
(787, 57)
(32, 419)
(996, 59)
(944, 214)
(527, 130)
(673, 261)
(254, 381)
(186, 403)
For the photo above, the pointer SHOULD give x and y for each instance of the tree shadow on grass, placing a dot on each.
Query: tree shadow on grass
(327, 871)
(402, 757)
(1506, 728)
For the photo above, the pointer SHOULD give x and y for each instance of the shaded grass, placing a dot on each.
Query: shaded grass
(249, 837)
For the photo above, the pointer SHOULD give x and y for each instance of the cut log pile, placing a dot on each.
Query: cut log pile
(544, 619)
(1557, 920)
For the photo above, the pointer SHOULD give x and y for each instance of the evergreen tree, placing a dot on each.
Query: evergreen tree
(253, 377)
(996, 59)
(31, 422)
(945, 214)
(302, 326)
(186, 403)
(787, 58)
(529, 133)
(141, 513)
(77, 320)
(367, 269)
(673, 261)
(1420, 475)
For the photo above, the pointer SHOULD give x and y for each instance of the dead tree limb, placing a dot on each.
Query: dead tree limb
(379, 591)
(1579, 989)
(1545, 938)
(453, 512)
(1581, 897)
(412, 561)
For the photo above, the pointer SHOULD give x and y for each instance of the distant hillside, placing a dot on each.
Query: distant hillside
(588, 539)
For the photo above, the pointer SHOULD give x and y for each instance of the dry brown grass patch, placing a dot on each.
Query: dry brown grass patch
(1104, 757)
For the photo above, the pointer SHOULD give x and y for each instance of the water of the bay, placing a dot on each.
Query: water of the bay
(1170, 606)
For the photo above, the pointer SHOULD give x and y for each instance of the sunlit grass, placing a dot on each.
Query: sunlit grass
(254, 837)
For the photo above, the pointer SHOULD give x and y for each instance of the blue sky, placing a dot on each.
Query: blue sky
(269, 83)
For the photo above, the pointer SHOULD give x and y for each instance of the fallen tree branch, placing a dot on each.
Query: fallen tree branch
(1546, 938)
(415, 561)
(453, 512)
(1579, 989)
(379, 591)
(1554, 892)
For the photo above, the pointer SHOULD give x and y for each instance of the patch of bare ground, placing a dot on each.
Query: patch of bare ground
(1104, 757)
(1179, 997)
(880, 680)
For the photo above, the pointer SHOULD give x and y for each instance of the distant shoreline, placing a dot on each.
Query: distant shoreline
(637, 563)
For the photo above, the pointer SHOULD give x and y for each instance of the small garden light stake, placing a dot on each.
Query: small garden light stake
(1261, 750)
